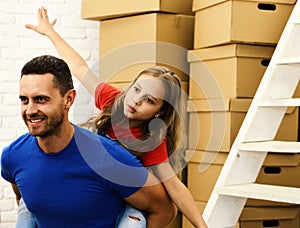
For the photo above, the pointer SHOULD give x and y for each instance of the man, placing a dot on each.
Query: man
(68, 176)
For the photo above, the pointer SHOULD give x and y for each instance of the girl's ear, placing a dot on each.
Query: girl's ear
(159, 114)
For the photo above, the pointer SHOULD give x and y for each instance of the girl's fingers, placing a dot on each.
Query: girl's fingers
(53, 22)
(29, 26)
(44, 13)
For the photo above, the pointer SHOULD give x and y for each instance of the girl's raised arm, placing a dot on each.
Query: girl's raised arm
(76, 63)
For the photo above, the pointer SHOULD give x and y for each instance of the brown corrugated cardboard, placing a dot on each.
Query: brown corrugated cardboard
(130, 44)
(236, 69)
(201, 207)
(177, 222)
(261, 217)
(103, 9)
(209, 117)
(123, 85)
(280, 217)
(231, 21)
(278, 169)
(200, 183)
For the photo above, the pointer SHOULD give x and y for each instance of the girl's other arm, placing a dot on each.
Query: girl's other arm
(76, 63)
(179, 194)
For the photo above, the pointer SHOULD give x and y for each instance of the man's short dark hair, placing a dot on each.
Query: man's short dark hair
(49, 64)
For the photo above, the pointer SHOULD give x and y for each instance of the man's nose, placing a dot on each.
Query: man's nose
(31, 108)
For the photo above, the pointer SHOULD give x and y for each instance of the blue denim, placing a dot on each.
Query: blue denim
(25, 217)
(124, 220)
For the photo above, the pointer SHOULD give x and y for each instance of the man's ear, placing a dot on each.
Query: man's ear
(70, 98)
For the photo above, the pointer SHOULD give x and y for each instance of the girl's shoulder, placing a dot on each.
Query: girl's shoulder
(105, 95)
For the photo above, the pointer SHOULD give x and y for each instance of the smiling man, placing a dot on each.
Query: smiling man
(68, 176)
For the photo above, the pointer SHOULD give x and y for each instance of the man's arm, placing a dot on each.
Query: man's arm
(17, 192)
(153, 199)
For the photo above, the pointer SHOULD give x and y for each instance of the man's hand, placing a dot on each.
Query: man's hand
(153, 199)
(17, 192)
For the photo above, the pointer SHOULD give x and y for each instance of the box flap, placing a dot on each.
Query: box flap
(219, 105)
(270, 213)
(102, 9)
(290, 160)
(231, 50)
(202, 4)
(206, 157)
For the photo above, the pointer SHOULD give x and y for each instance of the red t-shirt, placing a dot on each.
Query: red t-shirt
(105, 94)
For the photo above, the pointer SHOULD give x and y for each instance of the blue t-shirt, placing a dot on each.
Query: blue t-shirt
(81, 186)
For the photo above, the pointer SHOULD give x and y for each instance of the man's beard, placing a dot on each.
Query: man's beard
(50, 127)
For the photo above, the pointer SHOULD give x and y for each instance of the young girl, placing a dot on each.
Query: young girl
(146, 118)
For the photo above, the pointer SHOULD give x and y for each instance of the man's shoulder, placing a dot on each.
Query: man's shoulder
(20, 142)
(87, 141)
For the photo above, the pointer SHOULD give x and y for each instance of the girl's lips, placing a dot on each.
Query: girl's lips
(131, 109)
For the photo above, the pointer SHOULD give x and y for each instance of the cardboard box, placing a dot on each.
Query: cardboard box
(177, 222)
(201, 183)
(201, 207)
(260, 217)
(280, 217)
(214, 124)
(131, 44)
(277, 169)
(185, 222)
(234, 21)
(103, 9)
(123, 85)
(230, 71)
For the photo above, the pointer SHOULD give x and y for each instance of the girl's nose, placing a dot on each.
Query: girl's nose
(138, 100)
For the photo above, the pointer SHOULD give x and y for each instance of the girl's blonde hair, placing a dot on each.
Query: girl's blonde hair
(173, 118)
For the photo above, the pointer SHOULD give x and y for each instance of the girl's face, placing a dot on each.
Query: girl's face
(144, 99)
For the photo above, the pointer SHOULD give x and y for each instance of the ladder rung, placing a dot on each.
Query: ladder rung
(296, 21)
(263, 192)
(280, 102)
(289, 60)
(271, 146)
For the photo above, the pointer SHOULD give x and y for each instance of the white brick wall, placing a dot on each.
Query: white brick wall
(17, 46)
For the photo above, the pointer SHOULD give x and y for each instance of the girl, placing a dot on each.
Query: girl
(145, 118)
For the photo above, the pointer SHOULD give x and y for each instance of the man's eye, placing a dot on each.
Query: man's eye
(24, 100)
(41, 99)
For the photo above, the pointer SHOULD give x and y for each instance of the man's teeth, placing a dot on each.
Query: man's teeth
(36, 121)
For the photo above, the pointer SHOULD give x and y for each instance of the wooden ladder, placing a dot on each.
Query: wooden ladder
(236, 182)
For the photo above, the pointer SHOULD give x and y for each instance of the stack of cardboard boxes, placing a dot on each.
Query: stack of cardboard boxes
(136, 34)
(233, 44)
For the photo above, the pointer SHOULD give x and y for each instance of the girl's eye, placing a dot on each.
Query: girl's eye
(136, 89)
(149, 100)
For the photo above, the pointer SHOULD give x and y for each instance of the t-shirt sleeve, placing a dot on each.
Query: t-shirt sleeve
(156, 156)
(105, 95)
(5, 173)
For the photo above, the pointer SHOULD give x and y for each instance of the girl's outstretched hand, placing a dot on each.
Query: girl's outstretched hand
(44, 25)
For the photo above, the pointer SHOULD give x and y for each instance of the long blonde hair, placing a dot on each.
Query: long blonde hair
(173, 117)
